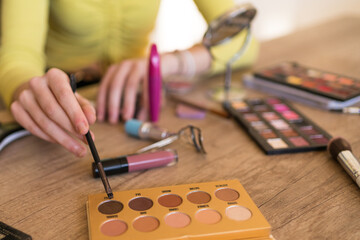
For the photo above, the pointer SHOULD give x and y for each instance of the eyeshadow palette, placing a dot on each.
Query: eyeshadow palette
(213, 210)
(308, 85)
(276, 126)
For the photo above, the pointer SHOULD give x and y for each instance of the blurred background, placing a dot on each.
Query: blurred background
(180, 25)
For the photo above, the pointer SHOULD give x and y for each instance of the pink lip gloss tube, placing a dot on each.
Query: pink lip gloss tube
(154, 84)
(137, 162)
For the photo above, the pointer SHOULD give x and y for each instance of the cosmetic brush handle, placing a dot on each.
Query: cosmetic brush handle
(93, 150)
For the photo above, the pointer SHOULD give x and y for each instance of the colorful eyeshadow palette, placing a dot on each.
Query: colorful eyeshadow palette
(308, 85)
(276, 126)
(213, 210)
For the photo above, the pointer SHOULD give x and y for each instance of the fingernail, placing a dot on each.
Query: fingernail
(79, 151)
(81, 128)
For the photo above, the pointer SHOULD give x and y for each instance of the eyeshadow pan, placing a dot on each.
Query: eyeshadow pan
(299, 141)
(279, 124)
(277, 143)
(208, 216)
(177, 220)
(198, 197)
(319, 139)
(281, 107)
(227, 194)
(170, 200)
(146, 223)
(261, 108)
(259, 125)
(239, 105)
(110, 207)
(113, 228)
(268, 133)
(238, 213)
(291, 115)
(251, 117)
(308, 130)
(140, 203)
(289, 132)
(270, 116)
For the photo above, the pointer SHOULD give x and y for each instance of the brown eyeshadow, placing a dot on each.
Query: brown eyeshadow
(198, 197)
(170, 200)
(110, 207)
(227, 194)
(140, 203)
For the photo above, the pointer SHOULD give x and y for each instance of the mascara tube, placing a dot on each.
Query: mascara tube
(145, 130)
(137, 162)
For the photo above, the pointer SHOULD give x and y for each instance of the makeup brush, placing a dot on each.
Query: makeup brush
(93, 150)
(340, 150)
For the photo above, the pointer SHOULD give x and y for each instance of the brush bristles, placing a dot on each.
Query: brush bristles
(337, 145)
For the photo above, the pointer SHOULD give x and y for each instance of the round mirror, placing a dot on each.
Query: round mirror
(223, 29)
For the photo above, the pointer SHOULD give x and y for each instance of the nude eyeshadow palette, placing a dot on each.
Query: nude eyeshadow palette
(276, 126)
(220, 210)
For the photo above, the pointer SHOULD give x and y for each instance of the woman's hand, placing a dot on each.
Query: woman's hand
(47, 107)
(118, 91)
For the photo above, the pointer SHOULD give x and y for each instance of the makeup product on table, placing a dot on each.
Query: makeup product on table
(93, 150)
(10, 233)
(276, 126)
(220, 210)
(308, 85)
(341, 151)
(154, 84)
(137, 162)
(145, 130)
(188, 112)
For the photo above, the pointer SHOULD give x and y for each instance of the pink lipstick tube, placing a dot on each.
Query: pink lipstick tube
(154, 84)
(137, 162)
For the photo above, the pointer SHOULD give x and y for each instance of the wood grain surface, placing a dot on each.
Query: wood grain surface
(43, 188)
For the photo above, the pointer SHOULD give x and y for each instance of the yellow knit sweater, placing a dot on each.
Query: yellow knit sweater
(72, 34)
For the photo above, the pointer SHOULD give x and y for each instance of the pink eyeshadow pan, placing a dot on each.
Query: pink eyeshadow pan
(299, 141)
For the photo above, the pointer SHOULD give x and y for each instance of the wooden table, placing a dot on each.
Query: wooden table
(43, 188)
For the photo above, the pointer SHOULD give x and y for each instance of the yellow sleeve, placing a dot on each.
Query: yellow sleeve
(24, 27)
(212, 9)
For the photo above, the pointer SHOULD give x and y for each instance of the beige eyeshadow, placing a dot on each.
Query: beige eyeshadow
(110, 207)
(177, 220)
(146, 224)
(113, 228)
(208, 216)
(238, 213)
(170, 200)
(198, 197)
(227, 194)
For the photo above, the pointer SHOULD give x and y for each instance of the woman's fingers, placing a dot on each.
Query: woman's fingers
(49, 104)
(58, 82)
(130, 92)
(23, 118)
(120, 83)
(116, 89)
(87, 108)
(29, 103)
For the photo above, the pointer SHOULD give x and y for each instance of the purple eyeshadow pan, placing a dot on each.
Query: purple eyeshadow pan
(281, 107)
(319, 139)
